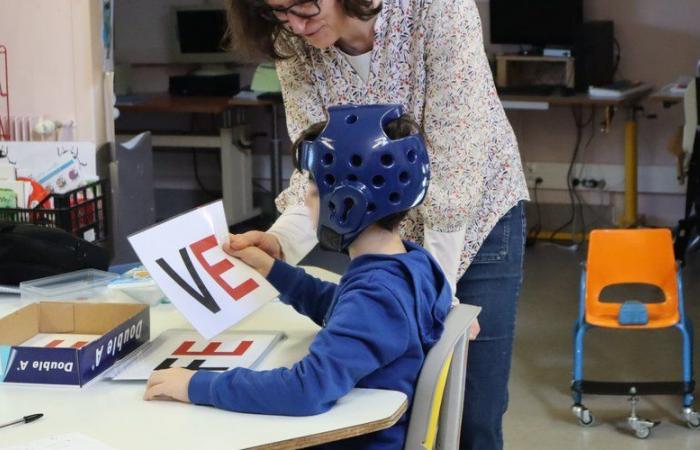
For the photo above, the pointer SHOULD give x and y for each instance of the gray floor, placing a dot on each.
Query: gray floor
(539, 415)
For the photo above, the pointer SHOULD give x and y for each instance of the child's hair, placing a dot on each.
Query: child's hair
(396, 129)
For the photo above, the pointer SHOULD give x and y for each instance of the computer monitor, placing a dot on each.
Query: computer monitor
(200, 35)
(538, 23)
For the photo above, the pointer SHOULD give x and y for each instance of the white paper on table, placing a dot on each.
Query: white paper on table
(68, 441)
(32, 159)
(60, 340)
(210, 288)
(185, 348)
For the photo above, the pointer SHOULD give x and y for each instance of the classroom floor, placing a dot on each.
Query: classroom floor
(539, 415)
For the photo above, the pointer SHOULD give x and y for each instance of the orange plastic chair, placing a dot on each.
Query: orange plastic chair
(631, 256)
(640, 257)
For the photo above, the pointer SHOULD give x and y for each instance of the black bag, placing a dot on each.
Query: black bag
(30, 251)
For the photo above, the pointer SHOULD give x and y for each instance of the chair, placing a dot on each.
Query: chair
(436, 414)
(632, 256)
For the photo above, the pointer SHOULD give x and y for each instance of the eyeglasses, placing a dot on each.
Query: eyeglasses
(304, 9)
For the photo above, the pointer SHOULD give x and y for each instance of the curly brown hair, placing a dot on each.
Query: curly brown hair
(256, 39)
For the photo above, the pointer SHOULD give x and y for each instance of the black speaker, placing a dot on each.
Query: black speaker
(205, 85)
(594, 50)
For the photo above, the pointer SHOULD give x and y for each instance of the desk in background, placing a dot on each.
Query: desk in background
(236, 162)
(116, 414)
(667, 97)
(631, 106)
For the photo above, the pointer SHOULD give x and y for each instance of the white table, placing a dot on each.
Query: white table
(114, 412)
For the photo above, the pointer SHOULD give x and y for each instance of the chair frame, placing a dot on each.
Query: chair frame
(686, 387)
(454, 344)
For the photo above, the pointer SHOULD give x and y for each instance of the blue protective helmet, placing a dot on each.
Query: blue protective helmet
(363, 175)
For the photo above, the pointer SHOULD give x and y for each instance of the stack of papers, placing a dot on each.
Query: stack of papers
(618, 89)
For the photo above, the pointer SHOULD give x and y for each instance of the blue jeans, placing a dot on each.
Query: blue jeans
(492, 282)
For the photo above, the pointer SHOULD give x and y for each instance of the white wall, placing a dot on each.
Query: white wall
(55, 61)
(660, 40)
(145, 31)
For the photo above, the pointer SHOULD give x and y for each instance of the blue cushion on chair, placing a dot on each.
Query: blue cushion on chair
(633, 312)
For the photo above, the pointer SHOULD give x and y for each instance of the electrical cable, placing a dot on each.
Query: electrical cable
(577, 194)
(260, 187)
(204, 189)
(618, 56)
(580, 125)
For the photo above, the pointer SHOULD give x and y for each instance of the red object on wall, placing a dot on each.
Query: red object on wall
(4, 96)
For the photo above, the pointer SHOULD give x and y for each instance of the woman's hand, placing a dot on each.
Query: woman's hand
(267, 242)
(474, 329)
(169, 384)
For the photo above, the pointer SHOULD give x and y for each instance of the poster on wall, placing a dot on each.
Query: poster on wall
(185, 348)
(38, 160)
(212, 289)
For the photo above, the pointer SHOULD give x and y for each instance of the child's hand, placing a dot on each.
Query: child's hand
(254, 257)
(266, 242)
(169, 384)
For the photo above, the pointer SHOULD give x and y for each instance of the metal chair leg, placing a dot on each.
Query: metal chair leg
(641, 427)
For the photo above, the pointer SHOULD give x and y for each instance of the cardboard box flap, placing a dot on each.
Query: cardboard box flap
(20, 325)
(98, 318)
(56, 317)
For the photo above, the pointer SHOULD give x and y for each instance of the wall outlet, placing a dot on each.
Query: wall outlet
(605, 177)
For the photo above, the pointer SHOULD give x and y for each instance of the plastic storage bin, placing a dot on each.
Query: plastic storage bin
(80, 212)
(81, 285)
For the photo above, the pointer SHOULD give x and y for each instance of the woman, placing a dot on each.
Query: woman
(427, 55)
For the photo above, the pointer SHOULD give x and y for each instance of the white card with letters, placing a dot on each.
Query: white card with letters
(210, 288)
(185, 348)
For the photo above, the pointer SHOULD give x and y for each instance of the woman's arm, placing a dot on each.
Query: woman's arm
(446, 248)
(303, 107)
(456, 123)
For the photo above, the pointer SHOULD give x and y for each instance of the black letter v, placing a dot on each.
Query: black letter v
(205, 298)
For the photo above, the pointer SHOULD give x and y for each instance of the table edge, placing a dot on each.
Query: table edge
(336, 435)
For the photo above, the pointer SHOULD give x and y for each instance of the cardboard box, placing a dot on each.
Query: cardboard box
(120, 329)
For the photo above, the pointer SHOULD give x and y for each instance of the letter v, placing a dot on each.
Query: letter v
(205, 298)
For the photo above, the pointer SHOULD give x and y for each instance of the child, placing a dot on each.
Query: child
(369, 166)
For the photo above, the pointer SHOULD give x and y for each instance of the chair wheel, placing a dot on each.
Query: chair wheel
(584, 415)
(587, 419)
(642, 432)
(692, 418)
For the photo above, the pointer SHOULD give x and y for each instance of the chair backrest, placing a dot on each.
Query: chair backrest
(436, 414)
(630, 256)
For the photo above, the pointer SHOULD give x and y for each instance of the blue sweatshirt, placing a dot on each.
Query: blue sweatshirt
(378, 325)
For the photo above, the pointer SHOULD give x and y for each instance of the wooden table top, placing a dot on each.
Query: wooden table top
(577, 99)
(166, 103)
(666, 97)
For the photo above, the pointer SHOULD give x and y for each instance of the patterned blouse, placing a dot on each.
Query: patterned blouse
(428, 55)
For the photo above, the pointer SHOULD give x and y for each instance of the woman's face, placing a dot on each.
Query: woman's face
(320, 31)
